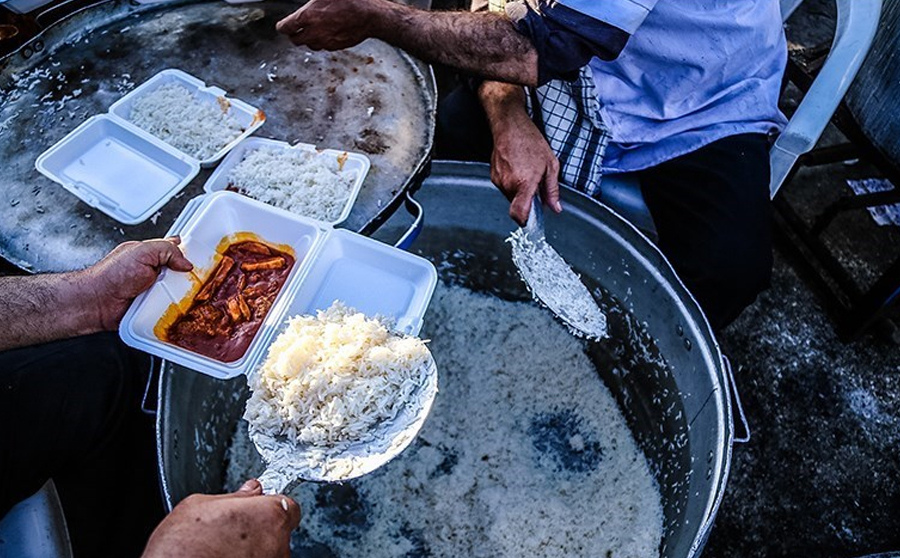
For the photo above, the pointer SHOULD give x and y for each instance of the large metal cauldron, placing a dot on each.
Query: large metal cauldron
(372, 98)
(675, 395)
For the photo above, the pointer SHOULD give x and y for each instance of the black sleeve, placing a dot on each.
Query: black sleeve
(565, 39)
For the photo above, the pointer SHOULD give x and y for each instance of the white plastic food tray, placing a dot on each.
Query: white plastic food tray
(126, 172)
(250, 118)
(355, 162)
(331, 264)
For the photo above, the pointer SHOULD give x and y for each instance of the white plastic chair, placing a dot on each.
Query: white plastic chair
(857, 22)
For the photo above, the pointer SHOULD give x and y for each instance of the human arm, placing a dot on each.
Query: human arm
(529, 45)
(481, 43)
(243, 524)
(522, 163)
(42, 308)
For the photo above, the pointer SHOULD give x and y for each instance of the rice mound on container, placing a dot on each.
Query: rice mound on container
(300, 181)
(175, 116)
(333, 377)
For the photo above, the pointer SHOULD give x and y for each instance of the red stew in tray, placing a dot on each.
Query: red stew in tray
(227, 311)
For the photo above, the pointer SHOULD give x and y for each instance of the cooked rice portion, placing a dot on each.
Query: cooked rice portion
(491, 473)
(175, 116)
(303, 182)
(333, 377)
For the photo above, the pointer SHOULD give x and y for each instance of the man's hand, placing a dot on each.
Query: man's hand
(522, 163)
(53, 306)
(244, 524)
(127, 271)
(330, 24)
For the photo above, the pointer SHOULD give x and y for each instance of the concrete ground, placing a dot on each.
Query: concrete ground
(821, 474)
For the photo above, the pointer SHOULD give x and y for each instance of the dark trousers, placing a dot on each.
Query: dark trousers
(710, 207)
(70, 411)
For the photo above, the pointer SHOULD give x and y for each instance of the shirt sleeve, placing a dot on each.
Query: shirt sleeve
(568, 34)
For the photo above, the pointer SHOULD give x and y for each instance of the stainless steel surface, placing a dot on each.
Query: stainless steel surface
(372, 99)
(36, 527)
(675, 395)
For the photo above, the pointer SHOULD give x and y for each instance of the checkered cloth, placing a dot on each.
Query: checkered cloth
(570, 116)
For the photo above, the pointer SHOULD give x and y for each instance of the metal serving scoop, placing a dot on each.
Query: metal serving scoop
(288, 462)
(551, 280)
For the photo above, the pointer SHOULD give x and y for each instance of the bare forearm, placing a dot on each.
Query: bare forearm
(44, 308)
(504, 105)
(484, 43)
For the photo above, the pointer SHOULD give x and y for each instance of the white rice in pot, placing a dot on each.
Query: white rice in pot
(525, 453)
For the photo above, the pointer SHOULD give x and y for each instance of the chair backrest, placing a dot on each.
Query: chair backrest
(788, 7)
(857, 21)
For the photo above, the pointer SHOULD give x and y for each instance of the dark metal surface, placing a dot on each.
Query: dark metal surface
(36, 527)
(872, 97)
(372, 99)
(674, 395)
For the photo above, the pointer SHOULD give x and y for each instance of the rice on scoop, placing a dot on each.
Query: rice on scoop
(334, 377)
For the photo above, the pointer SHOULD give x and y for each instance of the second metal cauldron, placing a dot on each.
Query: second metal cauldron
(675, 396)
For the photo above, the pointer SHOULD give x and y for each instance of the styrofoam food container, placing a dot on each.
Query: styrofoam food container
(250, 118)
(356, 162)
(122, 170)
(122, 173)
(373, 277)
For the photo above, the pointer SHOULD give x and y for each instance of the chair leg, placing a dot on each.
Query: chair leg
(861, 201)
(872, 306)
(814, 249)
(829, 155)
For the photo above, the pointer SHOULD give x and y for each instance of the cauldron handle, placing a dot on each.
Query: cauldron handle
(412, 233)
(156, 367)
(743, 436)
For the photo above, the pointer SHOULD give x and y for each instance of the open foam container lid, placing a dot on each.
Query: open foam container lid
(126, 172)
(356, 163)
(331, 264)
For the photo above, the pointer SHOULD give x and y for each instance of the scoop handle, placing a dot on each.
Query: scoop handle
(274, 482)
(534, 227)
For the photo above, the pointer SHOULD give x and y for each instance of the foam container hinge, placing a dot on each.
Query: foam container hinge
(355, 162)
(331, 264)
(126, 172)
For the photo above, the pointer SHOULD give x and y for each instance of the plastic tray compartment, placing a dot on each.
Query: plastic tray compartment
(250, 118)
(372, 277)
(124, 171)
(355, 162)
(121, 172)
(202, 225)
